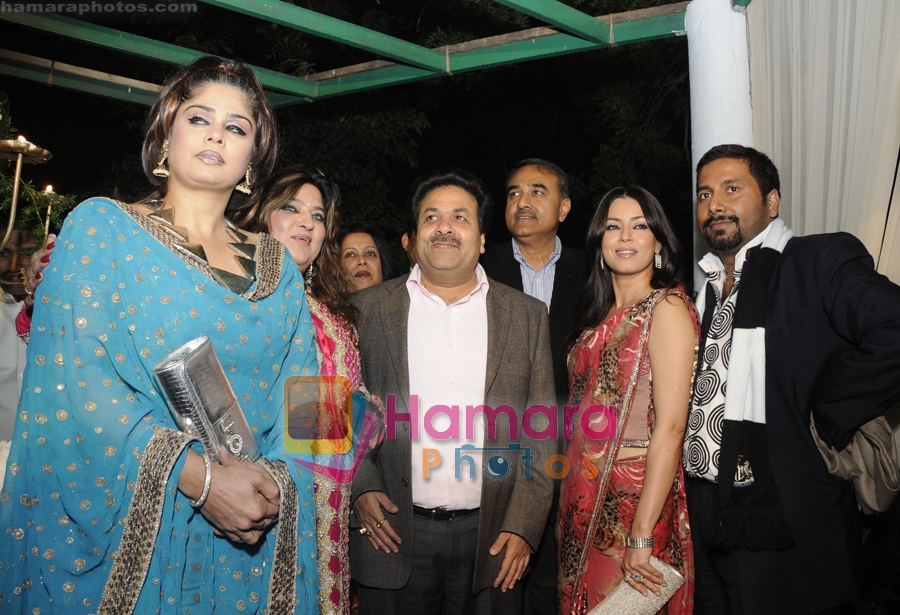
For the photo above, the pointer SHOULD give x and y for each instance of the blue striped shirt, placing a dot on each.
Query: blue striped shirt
(538, 284)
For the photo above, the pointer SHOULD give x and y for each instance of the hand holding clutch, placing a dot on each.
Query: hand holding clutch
(204, 403)
(626, 599)
(243, 502)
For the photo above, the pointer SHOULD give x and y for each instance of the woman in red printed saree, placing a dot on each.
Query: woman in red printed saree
(301, 212)
(635, 278)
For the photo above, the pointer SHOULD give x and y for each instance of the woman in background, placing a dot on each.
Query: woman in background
(301, 211)
(108, 506)
(619, 370)
(364, 255)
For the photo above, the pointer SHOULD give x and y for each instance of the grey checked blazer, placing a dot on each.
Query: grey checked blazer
(519, 373)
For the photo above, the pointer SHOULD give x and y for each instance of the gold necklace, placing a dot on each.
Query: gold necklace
(244, 252)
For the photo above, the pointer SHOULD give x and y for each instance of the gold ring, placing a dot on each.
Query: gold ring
(378, 525)
(364, 531)
(23, 278)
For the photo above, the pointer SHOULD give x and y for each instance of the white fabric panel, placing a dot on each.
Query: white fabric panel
(825, 84)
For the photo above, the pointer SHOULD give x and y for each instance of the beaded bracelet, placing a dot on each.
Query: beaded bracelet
(206, 483)
(639, 543)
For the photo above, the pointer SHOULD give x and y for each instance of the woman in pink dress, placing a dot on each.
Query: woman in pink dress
(621, 366)
(301, 211)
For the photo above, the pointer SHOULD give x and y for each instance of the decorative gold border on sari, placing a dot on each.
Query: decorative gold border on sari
(132, 561)
(326, 514)
(269, 259)
(283, 578)
(327, 548)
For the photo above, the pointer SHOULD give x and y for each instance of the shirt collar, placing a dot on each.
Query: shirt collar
(712, 264)
(557, 250)
(414, 284)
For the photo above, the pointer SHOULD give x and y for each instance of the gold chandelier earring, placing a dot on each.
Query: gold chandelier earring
(161, 170)
(244, 186)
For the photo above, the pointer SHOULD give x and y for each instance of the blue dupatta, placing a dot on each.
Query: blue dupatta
(96, 453)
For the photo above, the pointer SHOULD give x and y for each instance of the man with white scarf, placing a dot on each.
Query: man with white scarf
(794, 329)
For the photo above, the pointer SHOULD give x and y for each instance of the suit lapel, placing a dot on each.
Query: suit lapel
(395, 322)
(509, 271)
(498, 316)
(565, 288)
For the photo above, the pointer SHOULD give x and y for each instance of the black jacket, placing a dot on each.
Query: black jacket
(568, 282)
(833, 351)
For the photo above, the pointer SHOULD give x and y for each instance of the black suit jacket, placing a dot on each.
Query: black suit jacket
(568, 282)
(833, 352)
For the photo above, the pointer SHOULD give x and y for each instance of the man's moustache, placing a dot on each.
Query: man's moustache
(710, 221)
(446, 239)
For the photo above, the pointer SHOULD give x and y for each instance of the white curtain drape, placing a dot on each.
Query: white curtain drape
(825, 89)
(825, 86)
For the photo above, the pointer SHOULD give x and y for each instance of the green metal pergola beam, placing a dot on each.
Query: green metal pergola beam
(649, 29)
(277, 99)
(146, 48)
(336, 30)
(60, 76)
(623, 28)
(564, 17)
(532, 44)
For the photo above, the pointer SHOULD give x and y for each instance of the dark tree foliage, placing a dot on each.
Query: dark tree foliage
(608, 117)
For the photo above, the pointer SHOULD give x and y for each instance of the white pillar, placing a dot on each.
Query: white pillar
(719, 63)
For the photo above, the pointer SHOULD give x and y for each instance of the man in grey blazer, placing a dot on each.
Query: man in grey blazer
(431, 532)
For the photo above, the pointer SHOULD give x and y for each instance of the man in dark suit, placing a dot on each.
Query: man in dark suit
(537, 200)
(435, 533)
(795, 330)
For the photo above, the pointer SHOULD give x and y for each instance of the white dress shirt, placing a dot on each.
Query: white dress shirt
(447, 352)
(12, 364)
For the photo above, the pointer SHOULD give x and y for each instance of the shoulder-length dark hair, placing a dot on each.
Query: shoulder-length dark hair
(388, 271)
(327, 282)
(183, 85)
(598, 296)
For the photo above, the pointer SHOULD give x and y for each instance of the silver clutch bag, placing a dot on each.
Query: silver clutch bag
(625, 599)
(204, 403)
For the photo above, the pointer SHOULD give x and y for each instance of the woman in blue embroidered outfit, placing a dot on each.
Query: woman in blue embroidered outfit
(107, 507)
(634, 278)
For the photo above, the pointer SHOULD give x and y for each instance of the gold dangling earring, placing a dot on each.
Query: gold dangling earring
(161, 170)
(244, 186)
(657, 261)
(601, 263)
